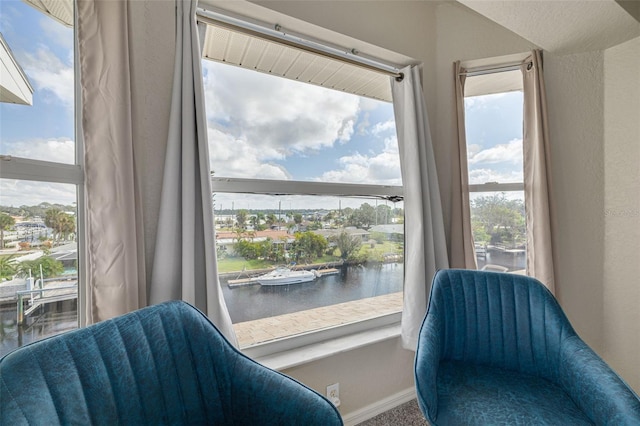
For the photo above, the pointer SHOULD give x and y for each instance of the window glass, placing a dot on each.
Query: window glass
(38, 218)
(350, 248)
(38, 223)
(267, 127)
(495, 163)
(499, 230)
(494, 137)
(38, 52)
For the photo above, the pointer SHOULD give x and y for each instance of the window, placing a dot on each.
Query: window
(304, 176)
(493, 121)
(40, 176)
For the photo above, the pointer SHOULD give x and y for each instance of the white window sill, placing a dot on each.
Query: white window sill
(323, 349)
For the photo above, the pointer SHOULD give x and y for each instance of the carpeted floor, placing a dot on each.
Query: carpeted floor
(407, 414)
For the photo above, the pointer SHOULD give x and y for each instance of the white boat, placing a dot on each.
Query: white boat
(284, 276)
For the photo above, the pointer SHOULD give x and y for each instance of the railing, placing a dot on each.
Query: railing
(42, 299)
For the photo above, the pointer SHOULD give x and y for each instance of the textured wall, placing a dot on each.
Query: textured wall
(576, 124)
(622, 209)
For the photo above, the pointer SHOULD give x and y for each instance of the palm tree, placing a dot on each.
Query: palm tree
(6, 222)
(8, 266)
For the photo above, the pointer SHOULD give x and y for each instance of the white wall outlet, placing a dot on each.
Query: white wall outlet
(333, 394)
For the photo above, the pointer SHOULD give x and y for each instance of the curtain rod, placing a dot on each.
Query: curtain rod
(490, 70)
(203, 16)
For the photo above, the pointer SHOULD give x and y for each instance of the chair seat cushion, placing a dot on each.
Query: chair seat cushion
(470, 394)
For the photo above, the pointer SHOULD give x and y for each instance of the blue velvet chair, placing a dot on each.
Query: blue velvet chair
(166, 364)
(496, 349)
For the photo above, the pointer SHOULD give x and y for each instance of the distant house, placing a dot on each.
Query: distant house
(393, 232)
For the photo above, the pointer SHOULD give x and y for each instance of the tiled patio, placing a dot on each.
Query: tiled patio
(263, 330)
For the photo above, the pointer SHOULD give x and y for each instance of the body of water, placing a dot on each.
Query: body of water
(253, 302)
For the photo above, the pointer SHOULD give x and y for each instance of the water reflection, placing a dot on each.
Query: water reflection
(53, 319)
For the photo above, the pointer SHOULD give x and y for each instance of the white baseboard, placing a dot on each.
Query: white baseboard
(379, 407)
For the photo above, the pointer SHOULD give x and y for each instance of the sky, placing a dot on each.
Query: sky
(259, 126)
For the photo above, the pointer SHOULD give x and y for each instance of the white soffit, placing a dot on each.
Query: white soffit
(234, 48)
(14, 86)
(60, 10)
(488, 84)
(568, 26)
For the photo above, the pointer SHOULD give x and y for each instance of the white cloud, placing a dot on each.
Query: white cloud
(237, 158)
(277, 114)
(481, 176)
(382, 168)
(51, 74)
(60, 150)
(510, 152)
(383, 127)
(17, 193)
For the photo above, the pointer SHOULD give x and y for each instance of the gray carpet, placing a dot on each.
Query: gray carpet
(407, 414)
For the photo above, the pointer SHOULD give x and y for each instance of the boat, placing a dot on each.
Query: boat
(284, 276)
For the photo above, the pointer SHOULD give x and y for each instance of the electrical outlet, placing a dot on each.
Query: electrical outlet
(333, 394)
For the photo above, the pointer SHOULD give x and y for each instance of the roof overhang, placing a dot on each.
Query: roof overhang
(14, 85)
(60, 10)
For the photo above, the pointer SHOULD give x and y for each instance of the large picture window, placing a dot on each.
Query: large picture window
(305, 177)
(40, 175)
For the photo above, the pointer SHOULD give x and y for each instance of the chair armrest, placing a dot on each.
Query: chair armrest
(427, 362)
(264, 396)
(597, 390)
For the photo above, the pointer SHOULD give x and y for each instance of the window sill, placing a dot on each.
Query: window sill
(323, 349)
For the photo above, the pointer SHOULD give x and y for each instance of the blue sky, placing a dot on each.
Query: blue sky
(260, 126)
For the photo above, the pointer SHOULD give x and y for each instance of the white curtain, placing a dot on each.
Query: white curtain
(537, 173)
(185, 265)
(114, 232)
(425, 246)
(461, 246)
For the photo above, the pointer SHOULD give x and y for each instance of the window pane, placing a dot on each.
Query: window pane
(499, 230)
(38, 251)
(267, 127)
(38, 51)
(355, 245)
(494, 138)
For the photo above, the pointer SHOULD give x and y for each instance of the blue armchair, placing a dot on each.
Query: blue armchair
(166, 364)
(496, 348)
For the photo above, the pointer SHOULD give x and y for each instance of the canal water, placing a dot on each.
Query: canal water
(253, 302)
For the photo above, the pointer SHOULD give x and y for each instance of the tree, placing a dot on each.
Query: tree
(62, 223)
(50, 267)
(347, 244)
(297, 218)
(6, 223)
(503, 220)
(241, 218)
(271, 220)
(8, 266)
(308, 246)
(364, 216)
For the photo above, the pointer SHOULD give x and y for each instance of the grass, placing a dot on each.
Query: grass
(237, 264)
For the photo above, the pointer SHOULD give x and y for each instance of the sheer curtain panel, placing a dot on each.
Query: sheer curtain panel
(185, 266)
(537, 173)
(461, 246)
(114, 233)
(425, 246)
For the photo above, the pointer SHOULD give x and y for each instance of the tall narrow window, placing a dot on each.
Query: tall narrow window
(493, 122)
(307, 188)
(39, 174)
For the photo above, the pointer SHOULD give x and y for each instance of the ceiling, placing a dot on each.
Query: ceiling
(568, 26)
